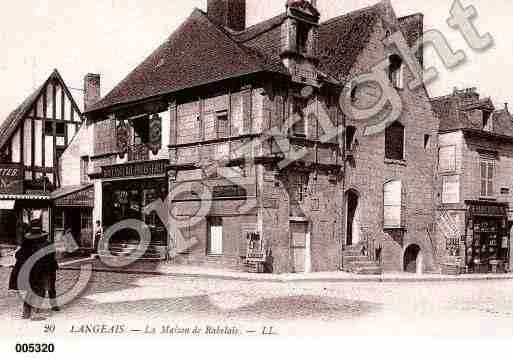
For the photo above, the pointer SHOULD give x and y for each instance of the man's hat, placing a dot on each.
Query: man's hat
(36, 230)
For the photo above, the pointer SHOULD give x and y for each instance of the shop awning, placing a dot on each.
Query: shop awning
(7, 204)
(74, 196)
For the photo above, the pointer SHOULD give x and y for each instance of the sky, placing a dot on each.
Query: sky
(111, 37)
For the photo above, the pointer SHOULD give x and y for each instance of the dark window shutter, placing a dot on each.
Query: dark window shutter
(394, 142)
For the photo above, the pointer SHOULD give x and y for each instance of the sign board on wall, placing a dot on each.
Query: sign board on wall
(11, 178)
(255, 251)
(136, 169)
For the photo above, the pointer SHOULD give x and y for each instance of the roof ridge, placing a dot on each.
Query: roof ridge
(354, 12)
(227, 34)
(270, 25)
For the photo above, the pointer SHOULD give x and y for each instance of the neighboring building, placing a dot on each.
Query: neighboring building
(192, 120)
(474, 181)
(32, 139)
(389, 187)
(73, 202)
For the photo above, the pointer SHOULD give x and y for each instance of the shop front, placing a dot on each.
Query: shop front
(72, 218)
(20, 201)
(127, 189)
(487, 237)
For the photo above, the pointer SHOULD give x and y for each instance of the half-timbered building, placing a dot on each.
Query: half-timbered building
(32, 139)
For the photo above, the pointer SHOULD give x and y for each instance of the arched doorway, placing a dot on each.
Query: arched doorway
(352, 218)
(413, 259)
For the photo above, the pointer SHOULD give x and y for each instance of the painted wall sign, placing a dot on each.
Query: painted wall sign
(139, 169)
(255, 251)
(11, 178)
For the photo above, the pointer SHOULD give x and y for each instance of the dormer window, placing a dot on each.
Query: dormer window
(487, 121)
(395, 71)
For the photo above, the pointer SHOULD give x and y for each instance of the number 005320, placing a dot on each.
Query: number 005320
(35, 348)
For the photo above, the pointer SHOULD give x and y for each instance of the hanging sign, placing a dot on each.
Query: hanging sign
(155, 134)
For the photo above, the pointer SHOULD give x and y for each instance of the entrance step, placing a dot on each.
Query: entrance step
(355, 262)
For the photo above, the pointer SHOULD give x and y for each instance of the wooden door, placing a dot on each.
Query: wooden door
(300, 247)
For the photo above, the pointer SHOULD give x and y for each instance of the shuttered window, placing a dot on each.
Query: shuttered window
(394, 142)
(451, 189)
(223, 125)
(392, 204)
(487, 164)
(215, 236)
(447, 159)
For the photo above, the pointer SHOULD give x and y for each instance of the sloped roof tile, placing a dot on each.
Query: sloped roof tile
(198, 52)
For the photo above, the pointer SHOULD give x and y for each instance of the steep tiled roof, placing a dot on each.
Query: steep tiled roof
(201, 52)
(343, 38)
(446, 108)
(503, 123)
(453, 115)
(198, 52)
(13, 121)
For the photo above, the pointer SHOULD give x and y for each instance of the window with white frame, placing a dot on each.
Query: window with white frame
(215, 236)
(84, 169)
(392, 204)
(447, 159)
(300, 188)
(222, 124)
(487, 166)
(395, 71)
(451, 189)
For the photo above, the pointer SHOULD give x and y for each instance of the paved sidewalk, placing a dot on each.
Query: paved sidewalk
(173, 270)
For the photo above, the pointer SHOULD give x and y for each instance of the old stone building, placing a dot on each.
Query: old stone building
(240, 132)
(32, 140)
(389, 187)
(475, 167)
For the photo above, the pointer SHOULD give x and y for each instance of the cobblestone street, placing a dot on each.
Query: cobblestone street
(476, 308)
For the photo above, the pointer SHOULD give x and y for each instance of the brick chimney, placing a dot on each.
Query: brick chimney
(228, 13)
(92, 91)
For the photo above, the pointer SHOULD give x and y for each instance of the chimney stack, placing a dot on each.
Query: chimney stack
(92, 91)
(228, 13)
(506, 107)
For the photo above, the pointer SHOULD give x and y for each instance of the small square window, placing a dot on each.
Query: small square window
(427, 142)
(60, 129)
(223, 126)
(49, 128)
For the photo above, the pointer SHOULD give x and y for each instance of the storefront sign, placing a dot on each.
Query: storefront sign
(83, 199)
(488, 210)
(139, 169)
(11, 178)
